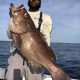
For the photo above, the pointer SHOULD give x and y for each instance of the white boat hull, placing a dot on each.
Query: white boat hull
(45, 77)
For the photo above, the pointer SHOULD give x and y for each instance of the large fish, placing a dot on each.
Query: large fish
(32, 44)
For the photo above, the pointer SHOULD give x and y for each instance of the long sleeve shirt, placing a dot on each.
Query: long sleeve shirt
(46, 26)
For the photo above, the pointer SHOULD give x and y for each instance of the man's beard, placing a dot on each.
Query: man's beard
(34, 7)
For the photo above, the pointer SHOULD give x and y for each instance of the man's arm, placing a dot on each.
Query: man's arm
(8, 31)
(46, 28)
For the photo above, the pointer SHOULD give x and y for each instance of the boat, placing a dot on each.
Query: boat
(45, 77)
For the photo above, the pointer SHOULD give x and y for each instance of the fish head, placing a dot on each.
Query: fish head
(16, 11)
(20, 21)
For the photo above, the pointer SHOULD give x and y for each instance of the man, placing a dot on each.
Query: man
(17, 67)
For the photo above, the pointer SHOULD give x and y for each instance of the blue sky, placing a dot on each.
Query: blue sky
(65, 15)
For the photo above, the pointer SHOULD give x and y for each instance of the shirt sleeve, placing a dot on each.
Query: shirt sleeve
(46, 28)
(9, 32)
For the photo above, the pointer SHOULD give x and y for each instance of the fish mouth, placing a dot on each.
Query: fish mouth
(17, 10)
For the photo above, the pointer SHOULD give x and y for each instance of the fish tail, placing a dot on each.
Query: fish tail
(57, 73)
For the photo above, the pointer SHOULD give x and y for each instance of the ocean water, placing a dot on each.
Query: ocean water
(68, 56)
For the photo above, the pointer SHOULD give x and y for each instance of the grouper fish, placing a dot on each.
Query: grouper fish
(32, 44)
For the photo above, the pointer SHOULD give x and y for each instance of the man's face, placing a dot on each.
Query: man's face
(34, 4)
